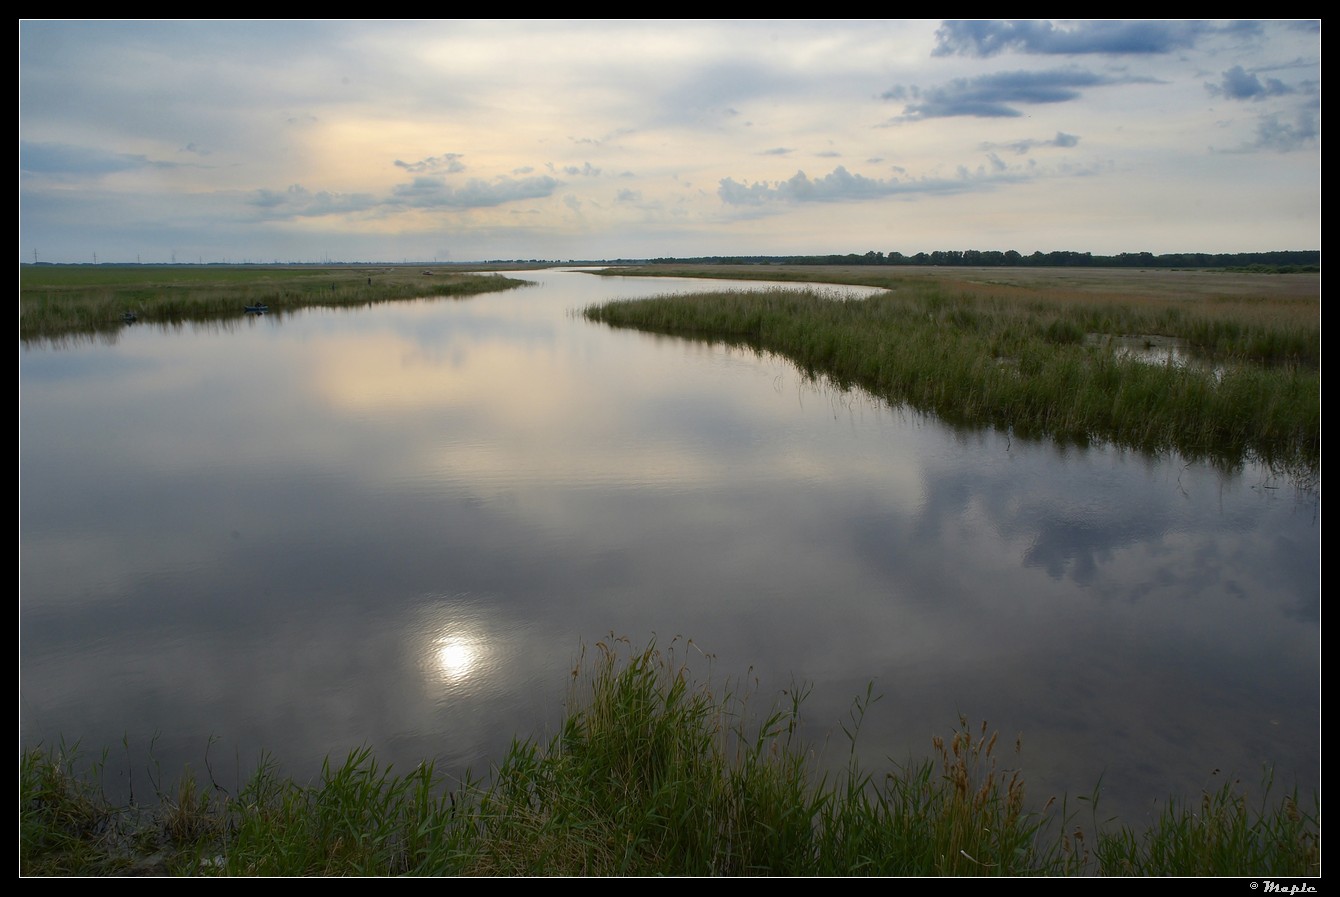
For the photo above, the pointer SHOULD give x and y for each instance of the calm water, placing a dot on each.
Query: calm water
(397, 526)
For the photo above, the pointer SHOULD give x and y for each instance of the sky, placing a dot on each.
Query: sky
(470, 140)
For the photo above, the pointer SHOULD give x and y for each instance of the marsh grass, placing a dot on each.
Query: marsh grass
(1220, 835)
(654, 771)
(1025, 360)
(57, 301)
(62, 814)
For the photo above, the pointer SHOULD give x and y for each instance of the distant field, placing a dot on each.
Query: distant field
(1128, 282)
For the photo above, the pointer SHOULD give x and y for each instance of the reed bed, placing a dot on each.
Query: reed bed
(59, 301)
(1042, 364)
(653, 772)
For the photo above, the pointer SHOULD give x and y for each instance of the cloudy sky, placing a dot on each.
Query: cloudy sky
(556, 139)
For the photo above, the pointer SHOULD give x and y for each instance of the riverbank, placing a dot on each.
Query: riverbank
(62, 300)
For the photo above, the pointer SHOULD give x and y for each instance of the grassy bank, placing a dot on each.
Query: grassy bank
(60, 300)
(652, 773)
(1044, 362)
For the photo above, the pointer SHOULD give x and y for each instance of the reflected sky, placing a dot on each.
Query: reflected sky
(397, 526)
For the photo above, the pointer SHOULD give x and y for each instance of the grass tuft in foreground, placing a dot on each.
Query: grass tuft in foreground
(652, 773)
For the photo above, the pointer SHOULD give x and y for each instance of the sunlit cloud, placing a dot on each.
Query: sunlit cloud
(586, 170)
(447, 163)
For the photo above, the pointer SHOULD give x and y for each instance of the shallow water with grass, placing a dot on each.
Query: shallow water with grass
(395, 527)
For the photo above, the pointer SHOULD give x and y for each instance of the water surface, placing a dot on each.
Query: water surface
(396, 527)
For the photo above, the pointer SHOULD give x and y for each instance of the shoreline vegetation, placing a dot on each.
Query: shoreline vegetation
(652, 772)
(61, 301)
(1042, 355)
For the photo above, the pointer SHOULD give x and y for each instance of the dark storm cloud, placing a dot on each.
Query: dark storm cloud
(997, 95)
(987, 37)
(1238, 84)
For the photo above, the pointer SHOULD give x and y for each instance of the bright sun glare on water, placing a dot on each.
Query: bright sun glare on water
(456, 657)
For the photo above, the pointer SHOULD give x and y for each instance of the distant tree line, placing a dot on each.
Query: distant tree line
(1295, 260)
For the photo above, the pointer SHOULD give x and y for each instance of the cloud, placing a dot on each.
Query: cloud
(838, 186)
(1237, 84)
(70, 159)
(299, 202)
(586, 171)
(1277, 135)
(996, 95)
(426, 192)
(1020, 147)
(990, 37)
(1282, 136)
(447, 163)
(707, 121)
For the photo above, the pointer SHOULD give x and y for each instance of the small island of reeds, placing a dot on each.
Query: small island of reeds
(1040, 359)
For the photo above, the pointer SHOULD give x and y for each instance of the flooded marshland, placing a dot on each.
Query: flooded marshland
(396, 526)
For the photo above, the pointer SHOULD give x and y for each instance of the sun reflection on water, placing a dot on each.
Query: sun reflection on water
(458, 653)
(456, 657)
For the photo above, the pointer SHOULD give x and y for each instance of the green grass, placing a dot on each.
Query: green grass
(1037, 363)
(63, 300)
(653, 772)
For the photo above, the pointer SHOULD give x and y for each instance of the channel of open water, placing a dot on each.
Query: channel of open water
(397, 526)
